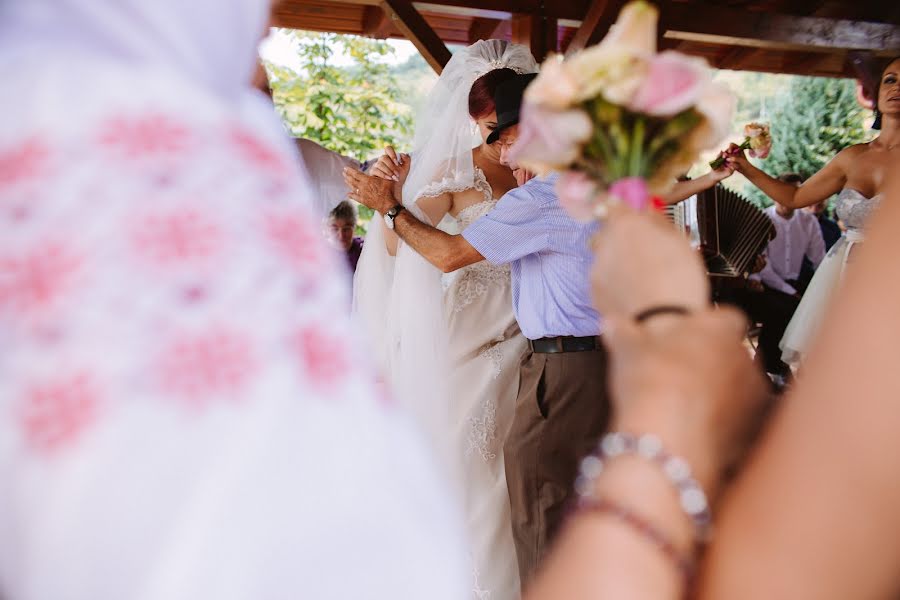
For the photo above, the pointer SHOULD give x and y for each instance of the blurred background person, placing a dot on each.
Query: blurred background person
(341, 232)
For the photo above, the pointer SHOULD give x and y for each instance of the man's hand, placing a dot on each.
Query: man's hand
(723, 172)
(522, 176)
(374, 192)
(643, 262)
(393, 166)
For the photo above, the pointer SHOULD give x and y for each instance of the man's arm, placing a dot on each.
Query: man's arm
(446, 252)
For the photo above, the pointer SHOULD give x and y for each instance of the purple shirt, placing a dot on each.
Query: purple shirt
(354, 253)
(550, 258)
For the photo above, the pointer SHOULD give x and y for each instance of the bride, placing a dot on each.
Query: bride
(450, 343)
(856, 174)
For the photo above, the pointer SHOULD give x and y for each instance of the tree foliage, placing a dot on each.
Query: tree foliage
(354, 109)
(813, 120)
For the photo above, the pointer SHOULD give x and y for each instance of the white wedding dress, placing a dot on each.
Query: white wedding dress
(854, 210)
(486, 348)
(449, 345)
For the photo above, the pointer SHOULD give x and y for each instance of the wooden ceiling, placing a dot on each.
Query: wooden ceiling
(806, 37)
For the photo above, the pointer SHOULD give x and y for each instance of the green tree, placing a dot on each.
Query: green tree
(354, 109)
(813, 120)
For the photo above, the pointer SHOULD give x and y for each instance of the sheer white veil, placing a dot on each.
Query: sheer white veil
(400, 300)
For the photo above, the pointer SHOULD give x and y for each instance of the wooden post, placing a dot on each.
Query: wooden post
(414, 26)
(538, 33)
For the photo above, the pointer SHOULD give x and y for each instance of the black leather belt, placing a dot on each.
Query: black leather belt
(555, 345)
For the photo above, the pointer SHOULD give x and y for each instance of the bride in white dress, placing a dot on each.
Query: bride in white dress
(450, 344)
(856, 174)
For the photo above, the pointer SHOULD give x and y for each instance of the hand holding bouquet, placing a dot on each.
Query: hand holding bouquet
(758, 139)
(619, 119)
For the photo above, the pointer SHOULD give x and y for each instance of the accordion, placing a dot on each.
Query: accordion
(729, 230)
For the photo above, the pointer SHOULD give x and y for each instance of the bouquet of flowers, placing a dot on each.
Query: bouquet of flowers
(758, 139)
(620, 120)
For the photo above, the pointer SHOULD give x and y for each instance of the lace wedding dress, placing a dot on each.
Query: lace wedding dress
(485, 347)
(854, 211)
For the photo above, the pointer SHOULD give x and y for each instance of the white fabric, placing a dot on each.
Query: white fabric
(326, 174)
(854, 210)
(183, 412)
(407, 322)
(795, 238)
(486, 348)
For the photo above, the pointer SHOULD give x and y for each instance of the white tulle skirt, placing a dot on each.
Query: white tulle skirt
(810, 314)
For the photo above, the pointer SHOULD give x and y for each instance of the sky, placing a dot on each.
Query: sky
(278, 49)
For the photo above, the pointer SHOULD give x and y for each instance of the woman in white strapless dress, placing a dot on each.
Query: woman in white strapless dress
(451, 346)
(856, 174)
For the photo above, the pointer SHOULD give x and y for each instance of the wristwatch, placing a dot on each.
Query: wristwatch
(391, 214)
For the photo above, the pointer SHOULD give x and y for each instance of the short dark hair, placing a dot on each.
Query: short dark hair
(344, 211)
(795, 178)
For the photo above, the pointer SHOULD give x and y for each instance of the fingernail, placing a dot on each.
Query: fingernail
(395, 178)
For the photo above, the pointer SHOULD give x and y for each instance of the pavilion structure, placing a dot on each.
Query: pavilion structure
(836, 38)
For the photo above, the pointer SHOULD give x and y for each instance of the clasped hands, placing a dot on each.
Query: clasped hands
(383, 187)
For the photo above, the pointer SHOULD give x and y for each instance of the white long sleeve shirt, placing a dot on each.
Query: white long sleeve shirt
(796, 237)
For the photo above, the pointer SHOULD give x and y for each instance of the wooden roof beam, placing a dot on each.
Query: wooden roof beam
(600, 16)
(727, 26)
(484, 29)
(567, 9)
(413, 25)
(540, 34)
(377, 23)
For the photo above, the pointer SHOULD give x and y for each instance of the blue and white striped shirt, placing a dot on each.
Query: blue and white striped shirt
(550, 258)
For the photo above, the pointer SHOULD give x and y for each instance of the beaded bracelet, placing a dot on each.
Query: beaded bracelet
(647, 530)
(690, 495)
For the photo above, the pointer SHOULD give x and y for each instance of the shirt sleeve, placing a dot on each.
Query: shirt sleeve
(514, 229)
(815, 249)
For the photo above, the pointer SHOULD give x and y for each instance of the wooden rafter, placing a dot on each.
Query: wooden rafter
(484, 29)
(414, 26)
(600, 16)
(732, 27)
(377, 23)
(540, 34)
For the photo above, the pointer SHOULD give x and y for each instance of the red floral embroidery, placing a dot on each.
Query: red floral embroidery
(257, 152)
(197, 366)
(324, 358)
(27, 161)
(35, 280)
(178, 236)
(134, 137)
(295, 238)
(55, 413)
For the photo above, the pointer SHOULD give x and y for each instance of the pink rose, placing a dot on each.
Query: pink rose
(674, 83)
(576, 193)
(550, 140)
(632, 191)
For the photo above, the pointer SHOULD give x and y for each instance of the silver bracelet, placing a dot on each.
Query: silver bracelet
(690, 495)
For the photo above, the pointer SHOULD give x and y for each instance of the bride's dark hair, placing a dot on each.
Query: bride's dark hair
(481, 95)
(877, 123)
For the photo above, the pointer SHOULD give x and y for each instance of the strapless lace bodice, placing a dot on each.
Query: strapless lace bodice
(854, 209)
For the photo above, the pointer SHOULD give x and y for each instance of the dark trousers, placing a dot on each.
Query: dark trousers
(561, 411)
(773, 311)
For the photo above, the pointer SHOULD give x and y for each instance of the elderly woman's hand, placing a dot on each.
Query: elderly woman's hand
(693, 384)
(642, 262)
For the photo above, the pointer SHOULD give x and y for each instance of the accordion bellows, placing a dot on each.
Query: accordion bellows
(730, 230)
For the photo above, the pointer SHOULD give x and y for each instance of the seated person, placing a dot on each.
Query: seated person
(341, 227)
